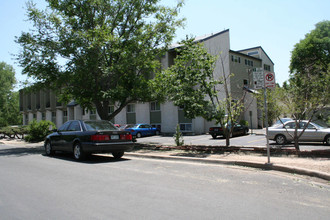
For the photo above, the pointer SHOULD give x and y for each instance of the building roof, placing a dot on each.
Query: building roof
(200, 38)
(258, 47)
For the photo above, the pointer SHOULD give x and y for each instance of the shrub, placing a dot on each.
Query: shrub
(178, 137)
(13, 131)
(244, 122)
(37, 131)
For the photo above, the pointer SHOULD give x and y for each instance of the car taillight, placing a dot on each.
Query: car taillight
(100, 137)
(211, 129)
(126, 137)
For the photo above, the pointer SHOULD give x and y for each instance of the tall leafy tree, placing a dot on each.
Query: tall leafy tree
(98, 52)
(307, 90)
(190, 83)
(9, 104)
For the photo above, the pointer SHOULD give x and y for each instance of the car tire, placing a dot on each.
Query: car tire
(78, 152)
(245, 132)
(49, 149)
(118, 155)
(157, 132)
(138, 135)
(280, 139)
(327, 140)
(214, 136)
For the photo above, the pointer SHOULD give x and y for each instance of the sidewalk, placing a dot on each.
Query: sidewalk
(315, 167)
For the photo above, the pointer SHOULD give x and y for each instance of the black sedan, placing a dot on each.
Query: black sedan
(87, 137)
(237, 130)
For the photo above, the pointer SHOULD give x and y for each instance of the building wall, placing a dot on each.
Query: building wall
(44, 104)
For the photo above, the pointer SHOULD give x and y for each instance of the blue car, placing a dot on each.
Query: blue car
(140, 130)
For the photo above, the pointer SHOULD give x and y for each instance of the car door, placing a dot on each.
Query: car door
(57, 139)
(70, 135)
(310, 133)
(288, 130)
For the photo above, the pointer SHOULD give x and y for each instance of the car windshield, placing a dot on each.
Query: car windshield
(100, 126)
(281, 121)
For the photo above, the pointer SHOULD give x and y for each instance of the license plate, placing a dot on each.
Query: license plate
(216, 129)
(114, 137)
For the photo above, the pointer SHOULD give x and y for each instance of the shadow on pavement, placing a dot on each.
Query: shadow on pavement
(91, 159)
(20, 151)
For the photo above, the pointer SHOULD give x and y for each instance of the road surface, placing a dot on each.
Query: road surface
(34, 186)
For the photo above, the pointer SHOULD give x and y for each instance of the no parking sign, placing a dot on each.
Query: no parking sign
(269, 80)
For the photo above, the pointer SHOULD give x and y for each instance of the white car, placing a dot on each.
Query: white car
(313, 133)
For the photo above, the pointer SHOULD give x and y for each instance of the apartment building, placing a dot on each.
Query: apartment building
(43, 104)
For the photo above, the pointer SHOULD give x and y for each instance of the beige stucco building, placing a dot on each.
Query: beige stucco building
(43, 105)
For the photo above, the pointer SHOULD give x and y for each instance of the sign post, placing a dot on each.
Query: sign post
(264, 80)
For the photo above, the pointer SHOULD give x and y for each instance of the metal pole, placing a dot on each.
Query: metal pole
(266, 119)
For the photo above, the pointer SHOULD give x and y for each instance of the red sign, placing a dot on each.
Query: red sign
(269, 80)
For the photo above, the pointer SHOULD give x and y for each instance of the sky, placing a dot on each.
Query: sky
(275, 25)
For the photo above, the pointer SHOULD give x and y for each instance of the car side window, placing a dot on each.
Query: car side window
(290, 125)
(310, 126)
(64, 127)
(74, 126)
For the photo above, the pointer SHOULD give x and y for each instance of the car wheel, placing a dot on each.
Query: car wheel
(327, 140)
(280, 139)
(214, 136)
(118, 155)
(157, 132)
(78, 152)
(245, 131)
(138, 135)
(48, 149)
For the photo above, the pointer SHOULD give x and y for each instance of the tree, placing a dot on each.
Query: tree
(190, 83)
(9, 104)
(98, 52)
(274, 107)
(307, 90)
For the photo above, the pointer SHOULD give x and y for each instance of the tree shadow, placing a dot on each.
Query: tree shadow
(21, 151)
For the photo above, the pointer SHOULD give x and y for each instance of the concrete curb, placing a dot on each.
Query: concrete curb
(264, 166)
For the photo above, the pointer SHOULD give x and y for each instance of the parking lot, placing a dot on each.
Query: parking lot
(251, 140)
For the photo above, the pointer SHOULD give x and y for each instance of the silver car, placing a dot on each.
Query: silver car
(313, 133)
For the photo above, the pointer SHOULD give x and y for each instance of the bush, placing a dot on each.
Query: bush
(13, 131)
(178, 137)
(244, 122)
(37, 131)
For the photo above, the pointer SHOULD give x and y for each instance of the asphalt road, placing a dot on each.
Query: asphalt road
(34, 186)
(246, 141)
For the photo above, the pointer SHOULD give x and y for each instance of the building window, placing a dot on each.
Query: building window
(54, 117)
(248, 62)
(245, 82)
(253, 53)
(266, 67)
(65, 116)
(111, 109)
(43, 116)
(235, 59)
(185, 126)
(130, 108)
(92, 114)
(154, 106)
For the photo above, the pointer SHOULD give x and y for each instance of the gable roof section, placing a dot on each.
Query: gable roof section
(259, 47)
(200, 39)
(245, 55)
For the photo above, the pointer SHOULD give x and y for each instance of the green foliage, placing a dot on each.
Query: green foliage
(98, 52)
(307, 91)
(190, 83)
(178, 136)
(244, 122)
(9, 100)
(275, 107)
(190, 79)
(37, 131)
(13, 131)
